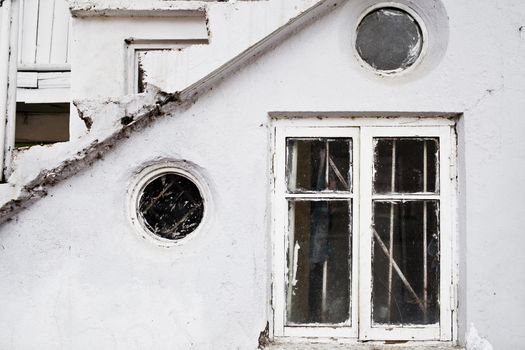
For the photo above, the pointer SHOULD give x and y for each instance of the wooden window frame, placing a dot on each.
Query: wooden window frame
(362, 131)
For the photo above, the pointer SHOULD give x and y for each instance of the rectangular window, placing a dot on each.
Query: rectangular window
(363, 229)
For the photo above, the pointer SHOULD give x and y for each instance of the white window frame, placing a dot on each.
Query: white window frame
(362, 131)
(281, 214)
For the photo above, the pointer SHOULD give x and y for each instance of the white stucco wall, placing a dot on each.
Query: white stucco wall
(76, 275)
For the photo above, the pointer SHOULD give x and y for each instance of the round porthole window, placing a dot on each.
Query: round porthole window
(167, 203)
(389, 39)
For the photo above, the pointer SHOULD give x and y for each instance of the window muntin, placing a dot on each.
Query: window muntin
(422, 193)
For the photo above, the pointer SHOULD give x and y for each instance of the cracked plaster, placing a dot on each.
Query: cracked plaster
(40, 167)
(106, 120)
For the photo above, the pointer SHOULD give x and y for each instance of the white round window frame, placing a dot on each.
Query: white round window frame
(153, 172)
(424, 33)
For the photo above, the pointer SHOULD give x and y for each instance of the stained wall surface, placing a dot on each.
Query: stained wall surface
(76, 275)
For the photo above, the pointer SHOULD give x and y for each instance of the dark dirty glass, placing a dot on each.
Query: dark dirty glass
(171, 206)
(415, 165)
(389, 39)
(401, 298)
(315, 165)
(319, 262)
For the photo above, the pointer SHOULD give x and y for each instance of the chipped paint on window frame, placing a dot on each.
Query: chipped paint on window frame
(288, 124)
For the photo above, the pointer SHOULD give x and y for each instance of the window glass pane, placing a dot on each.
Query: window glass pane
(315, 165)
(389, 39)
(319, 262)
(339, 174)
(405, 165)
(405, 286)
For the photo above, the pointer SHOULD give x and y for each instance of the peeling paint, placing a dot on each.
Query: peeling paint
(453, 85)
(87, 120)
(295, 263)
(141, 75)
(264, 337)
(36, 187)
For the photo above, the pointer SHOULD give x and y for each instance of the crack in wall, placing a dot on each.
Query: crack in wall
(47, 178)
(37, 187)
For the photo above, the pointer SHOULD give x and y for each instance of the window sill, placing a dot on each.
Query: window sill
(302, 344)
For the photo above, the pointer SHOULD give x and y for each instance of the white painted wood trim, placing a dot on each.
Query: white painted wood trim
(28, 80)
(363, 119)
(50, 80)
(44, 87)
(60, 36)
(9, 142)
(28, 31)
(447, 184)
(44, 67)
(405, 196)
(5, 63)
(321, 195)
(58, 95)
(363, 131)
(319, 332)
(455, 234)
(281, 244)
(430, 332)
(44, 33)
(365, 246)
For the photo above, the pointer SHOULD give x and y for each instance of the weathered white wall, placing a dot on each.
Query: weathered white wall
(231, 28)
(99, 49)
(99, 54)
(76, 275)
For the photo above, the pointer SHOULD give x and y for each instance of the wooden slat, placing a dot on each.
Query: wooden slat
(45, 30)
(29, 27)
(20, 24)
(48, 67)
(60, 95)
(27, 80)
(60, 38)
(54, 80)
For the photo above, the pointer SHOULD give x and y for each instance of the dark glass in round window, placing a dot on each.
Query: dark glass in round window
(171, 206)
(389, 39)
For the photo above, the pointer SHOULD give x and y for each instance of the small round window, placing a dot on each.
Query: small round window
(389, 39)
(168, 204)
